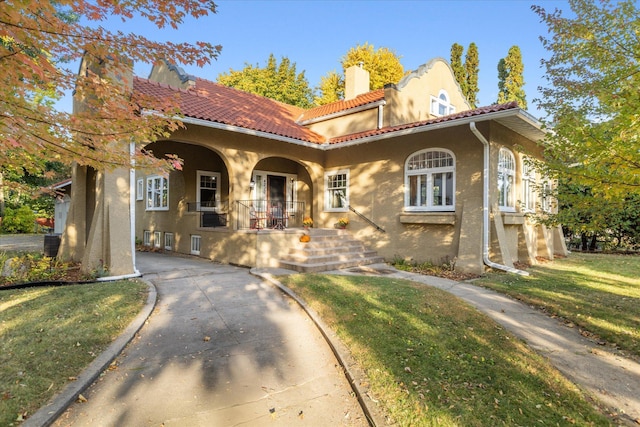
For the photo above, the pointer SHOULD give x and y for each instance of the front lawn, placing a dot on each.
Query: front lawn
(48, 335)
(598, 293)
(433, 360)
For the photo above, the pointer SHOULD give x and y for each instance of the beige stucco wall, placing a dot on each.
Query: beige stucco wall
(347, 124)
(410, 100)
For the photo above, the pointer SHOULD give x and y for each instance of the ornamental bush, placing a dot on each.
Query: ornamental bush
(21, 220)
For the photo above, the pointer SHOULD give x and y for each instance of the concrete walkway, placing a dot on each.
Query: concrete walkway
(222, 348)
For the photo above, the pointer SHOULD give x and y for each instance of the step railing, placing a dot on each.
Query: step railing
(362, 216)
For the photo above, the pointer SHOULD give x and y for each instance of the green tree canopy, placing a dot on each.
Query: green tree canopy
(511, 78)
(280, 82)
(382, 64)
(592, 97)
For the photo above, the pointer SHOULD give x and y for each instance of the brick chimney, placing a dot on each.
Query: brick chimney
(356, 81)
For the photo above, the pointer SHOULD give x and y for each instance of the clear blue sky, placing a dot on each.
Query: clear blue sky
(315, 34)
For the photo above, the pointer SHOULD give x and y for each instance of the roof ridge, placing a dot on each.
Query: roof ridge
(165, 85)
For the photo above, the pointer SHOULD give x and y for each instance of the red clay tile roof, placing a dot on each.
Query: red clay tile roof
(334, 107)
(469, 113)
(220, 104)
(216, 103)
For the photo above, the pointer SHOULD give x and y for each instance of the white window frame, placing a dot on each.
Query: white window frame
(196, 242)
(529, 198)
(153, 190)
(215, 175)
(506, 179)
(546, 197)
(140, 189)
(433, 167)
(441, 105)
(330, 189)
(157, 239)
(146, 237)
(168, 241)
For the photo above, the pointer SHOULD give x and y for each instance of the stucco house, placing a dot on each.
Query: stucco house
(417, 171)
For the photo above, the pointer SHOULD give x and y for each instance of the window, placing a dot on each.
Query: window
(195, 245)
(140, 189)
(528, 186)
(430, 181)
(208, 195)
(146, 238)
(157, 193)
(546, 196)
(157, 238)
(336, 191)
(168, 241)
(506, 180)
(440, 106)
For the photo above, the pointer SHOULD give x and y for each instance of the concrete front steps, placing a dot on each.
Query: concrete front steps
(329, 249)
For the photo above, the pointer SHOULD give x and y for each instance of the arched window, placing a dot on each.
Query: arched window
(441, 106)
(506, 180)
(430, 181)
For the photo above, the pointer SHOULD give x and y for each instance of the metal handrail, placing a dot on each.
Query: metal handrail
(352, 209)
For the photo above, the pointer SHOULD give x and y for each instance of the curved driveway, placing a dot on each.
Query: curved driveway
(222, 348)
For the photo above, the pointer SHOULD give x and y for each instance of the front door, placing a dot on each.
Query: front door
(276, 189)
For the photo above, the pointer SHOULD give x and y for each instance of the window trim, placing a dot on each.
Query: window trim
(529, 182)
(327, 193)
(140, 189)
(157, 239)
(509, 204)
(196, 247)
(146, 237)
(200, 173)
(437, 102)
(429, 172)
(152, 178)
(168, 241)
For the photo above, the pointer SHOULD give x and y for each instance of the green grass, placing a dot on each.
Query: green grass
(49, 335)
(433, 360)
(599, 293)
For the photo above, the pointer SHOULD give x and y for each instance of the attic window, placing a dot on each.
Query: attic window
(440, 106)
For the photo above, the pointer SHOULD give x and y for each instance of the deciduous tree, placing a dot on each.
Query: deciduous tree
(592, 97)
(40, 44)
(280, 82)
(382, 64)
(511, 78)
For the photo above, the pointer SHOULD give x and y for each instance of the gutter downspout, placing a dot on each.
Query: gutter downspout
(485, 207)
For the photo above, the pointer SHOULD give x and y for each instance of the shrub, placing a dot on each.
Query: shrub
(21, 220)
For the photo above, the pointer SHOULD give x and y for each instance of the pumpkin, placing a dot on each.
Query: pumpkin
(305, 238)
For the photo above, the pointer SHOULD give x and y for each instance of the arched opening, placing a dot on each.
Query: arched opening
(281, 195)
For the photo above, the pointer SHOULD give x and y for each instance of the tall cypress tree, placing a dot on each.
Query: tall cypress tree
(458, 68)
(511, 78)
(471, 67)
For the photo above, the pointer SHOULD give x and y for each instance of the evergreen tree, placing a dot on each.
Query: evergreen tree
(511, 78)
(471, 67)
(279, 82)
